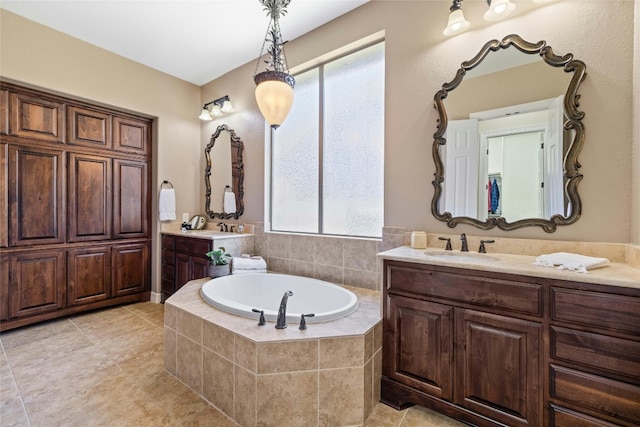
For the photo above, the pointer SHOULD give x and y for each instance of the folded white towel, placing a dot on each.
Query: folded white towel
(568, 261)
(253, 263)
(167, 205)
(229, 203)
(248, 271)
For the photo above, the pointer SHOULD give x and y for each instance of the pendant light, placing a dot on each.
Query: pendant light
(274, 86)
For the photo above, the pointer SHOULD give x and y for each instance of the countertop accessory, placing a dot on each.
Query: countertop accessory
(419, 240)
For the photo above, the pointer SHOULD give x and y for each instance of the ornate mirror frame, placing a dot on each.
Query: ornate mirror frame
(573, 122)
(237, 173)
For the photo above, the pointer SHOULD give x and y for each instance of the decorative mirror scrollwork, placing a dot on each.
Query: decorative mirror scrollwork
(557, 165)
(224, 173)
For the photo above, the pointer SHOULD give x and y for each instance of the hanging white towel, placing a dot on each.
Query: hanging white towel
(229, 202)
(568, 261)
(167, 204)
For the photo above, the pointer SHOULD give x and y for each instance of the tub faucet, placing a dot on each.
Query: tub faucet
(464, 247)
(281, 321)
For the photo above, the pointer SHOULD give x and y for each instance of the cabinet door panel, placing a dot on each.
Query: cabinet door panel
(497, 367)
(420, 345)
(36, 214)
(36, 118)
(4, 112)
(89, 275)
(130, 135)
(4, 288)
(4, 196)
(37, 282)
(183, 270)
(131, 268)
(199, 267)
(89, 198)
(131, 199)
(89, 128)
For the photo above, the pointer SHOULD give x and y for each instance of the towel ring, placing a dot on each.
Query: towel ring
(165, 182)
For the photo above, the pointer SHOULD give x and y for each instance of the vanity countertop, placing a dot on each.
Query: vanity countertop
(208, 234)
(615, 274)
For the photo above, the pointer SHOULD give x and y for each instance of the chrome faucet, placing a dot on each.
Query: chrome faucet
(281, 321)
(464, 247)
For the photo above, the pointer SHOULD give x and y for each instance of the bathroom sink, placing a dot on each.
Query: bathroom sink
(461, 256)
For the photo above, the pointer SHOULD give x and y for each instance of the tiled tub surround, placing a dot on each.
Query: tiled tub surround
(343, 260)
(326, 375)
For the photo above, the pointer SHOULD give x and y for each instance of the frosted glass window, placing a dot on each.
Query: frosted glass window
(327, 158)
(354, 144)
(295, 161)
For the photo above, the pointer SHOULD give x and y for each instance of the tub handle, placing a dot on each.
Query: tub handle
(261, 322)
(303, 323)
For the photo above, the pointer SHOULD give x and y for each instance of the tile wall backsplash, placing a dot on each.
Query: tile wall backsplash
(347, 261)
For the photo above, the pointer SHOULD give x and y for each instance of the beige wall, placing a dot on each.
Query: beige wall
(419, 60)
(635, 210)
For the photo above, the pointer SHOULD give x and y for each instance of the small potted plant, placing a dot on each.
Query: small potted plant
(219, 262)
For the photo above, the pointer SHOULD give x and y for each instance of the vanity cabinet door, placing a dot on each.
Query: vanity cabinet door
(36, 207)
(498, 367)
(37, 282)
(419, 345)
(130, 199)
(89, 197)
(89, 277)
(36, 117)
(131, 267)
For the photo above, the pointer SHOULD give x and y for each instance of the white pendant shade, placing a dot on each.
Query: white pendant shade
(499, 9)
(274, 99)
(457, 24)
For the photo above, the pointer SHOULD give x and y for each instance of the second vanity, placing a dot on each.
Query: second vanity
(492, 340)
(184, 259)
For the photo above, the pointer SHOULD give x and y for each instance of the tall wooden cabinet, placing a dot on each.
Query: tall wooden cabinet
(75, 199)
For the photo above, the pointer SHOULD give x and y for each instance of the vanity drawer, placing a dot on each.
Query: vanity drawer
(596, 309)
(167, 257)
(601, 394)
(563, 417)
(489, 290)
(168, 242)
(595, 350)
(193, 246)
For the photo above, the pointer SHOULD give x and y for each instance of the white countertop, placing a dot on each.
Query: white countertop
(208, 234)
(615, 274)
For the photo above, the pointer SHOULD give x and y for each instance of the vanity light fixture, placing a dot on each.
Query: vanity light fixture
(498, 9)
(274, 86)
(220, 106)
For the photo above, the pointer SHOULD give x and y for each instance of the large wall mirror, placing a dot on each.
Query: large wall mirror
(508, 139)
(224, 174)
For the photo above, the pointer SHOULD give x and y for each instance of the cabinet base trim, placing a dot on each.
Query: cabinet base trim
(399, 396)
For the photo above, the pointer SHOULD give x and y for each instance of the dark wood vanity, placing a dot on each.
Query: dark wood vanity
(497, 349)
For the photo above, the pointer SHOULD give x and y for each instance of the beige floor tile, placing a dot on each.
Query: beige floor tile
(106, 368)
(385, 416)
(422, 417)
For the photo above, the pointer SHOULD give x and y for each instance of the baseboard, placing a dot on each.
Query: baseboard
(155, 297)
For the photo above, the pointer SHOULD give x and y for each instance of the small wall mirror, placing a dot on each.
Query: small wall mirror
(224, 175)
(508, 139)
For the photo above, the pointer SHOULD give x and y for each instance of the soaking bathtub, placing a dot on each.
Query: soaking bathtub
(239, 294)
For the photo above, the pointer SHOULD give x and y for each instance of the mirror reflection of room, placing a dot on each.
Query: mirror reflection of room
(505, 142)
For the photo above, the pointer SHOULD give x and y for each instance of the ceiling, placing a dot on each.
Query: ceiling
(194, 40)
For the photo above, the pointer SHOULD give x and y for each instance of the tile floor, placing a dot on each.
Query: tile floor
(106, 368)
